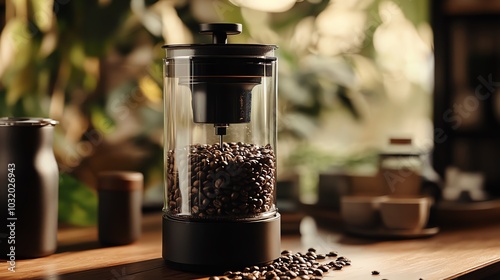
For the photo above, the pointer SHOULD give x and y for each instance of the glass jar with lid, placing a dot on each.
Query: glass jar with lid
(220, 153)
(401, 167)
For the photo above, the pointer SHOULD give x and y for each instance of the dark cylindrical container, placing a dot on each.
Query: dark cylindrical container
(29, 181)
(120, 203)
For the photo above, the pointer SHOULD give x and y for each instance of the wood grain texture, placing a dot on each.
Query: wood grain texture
(467, 253)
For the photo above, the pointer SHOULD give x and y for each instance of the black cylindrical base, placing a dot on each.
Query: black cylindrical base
(219, 246)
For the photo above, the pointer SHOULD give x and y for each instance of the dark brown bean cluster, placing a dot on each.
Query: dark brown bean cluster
(237, 180)
(289, 266)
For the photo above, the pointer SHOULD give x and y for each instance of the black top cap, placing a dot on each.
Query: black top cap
(220, 31)
(219, 59)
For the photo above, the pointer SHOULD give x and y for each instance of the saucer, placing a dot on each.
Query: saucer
(468, 213)
(383, 232)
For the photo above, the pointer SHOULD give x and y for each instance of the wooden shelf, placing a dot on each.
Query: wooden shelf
(471, 7)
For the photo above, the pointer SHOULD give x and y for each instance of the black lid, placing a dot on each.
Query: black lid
(401, 147)
(220, 75)
(120, 181)
(220, 48)
(25, 121)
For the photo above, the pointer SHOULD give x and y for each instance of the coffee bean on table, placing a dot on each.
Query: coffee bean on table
(292, 266)
(332, 254)
(237, 180)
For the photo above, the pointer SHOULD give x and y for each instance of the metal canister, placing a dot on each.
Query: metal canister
(29, 185)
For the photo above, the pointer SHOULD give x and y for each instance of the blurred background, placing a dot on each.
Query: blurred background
(352, 74)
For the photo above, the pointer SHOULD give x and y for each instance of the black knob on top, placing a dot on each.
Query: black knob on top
(220, 31)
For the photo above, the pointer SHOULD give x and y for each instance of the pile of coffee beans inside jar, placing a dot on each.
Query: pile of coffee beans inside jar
(235, 180)
(289, 266)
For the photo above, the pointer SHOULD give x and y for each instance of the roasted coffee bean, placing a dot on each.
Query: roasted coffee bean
(375, 272)
(342, 258)
(213, 278)
(336, 266)
(217, 203)
(290, 266)
(303, 272)
(318, 272)
(234, 196)
(240, 176)
(311, 255)
(321, 256)
(270, 275)
(285, 252)
(332, 254)
(324, 268)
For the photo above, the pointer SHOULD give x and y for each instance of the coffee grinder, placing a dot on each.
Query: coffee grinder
(220, 153)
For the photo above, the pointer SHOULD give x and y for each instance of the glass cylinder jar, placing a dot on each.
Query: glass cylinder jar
(235, 92)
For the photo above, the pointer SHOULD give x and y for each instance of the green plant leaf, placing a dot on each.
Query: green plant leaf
(101, 121)
(77, 202)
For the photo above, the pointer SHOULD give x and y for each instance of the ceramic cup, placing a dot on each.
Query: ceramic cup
(361, 211)
(405, 213)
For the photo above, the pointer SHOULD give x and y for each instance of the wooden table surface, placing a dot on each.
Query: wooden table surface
(466, 253)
